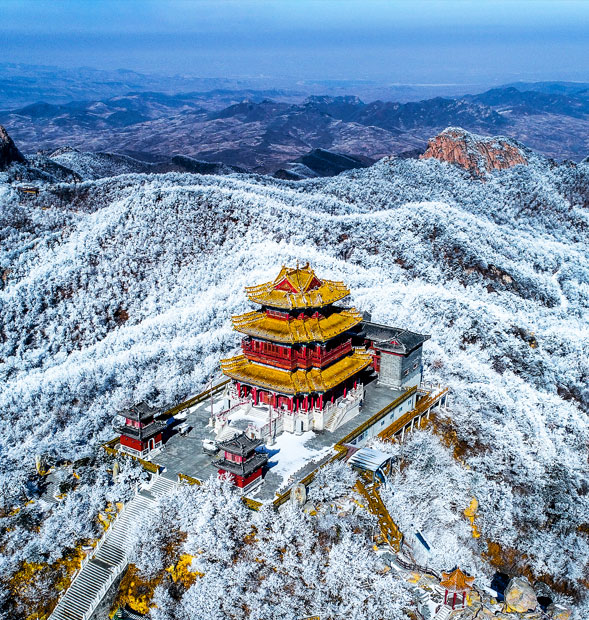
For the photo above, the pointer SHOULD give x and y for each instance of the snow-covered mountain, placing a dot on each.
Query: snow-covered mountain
(120, 289)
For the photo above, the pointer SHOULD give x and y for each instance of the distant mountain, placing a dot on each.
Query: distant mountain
(558, 88)
(534, 102)
(262, 134)
(22, 84)
(320, 163)
(396, 117)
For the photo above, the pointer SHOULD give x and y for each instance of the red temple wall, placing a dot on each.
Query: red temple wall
(136, 444)
(289, 358)
(129, 442)
(236, 458)
(240, 481)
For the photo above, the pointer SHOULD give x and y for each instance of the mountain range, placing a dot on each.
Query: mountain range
(262, 134)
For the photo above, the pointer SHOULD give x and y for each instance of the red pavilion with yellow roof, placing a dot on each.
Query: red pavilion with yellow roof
(456, 585)
(298, 369)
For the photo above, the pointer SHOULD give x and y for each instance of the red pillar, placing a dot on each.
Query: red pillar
(306, 403)
(345, 391)
(320, 401)
(255, 395)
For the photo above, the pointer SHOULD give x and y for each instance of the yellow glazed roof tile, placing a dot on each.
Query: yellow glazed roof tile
(456, 581)
(297, 288)
(260, 325)
(297, 382)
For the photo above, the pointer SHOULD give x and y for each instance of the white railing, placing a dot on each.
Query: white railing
(114, 573)
(89, 557)
(350, 400)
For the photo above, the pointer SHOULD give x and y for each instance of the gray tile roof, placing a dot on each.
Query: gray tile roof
(246, 468)
(240, 444)
(141, 411)
(368, 459)
(393, 339)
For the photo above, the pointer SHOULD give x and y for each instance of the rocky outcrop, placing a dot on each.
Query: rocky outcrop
(8, 151)
(479, 154)
(520, 596)
(558, 612)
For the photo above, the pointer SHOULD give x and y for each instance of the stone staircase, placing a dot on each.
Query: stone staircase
(388, 528)
(109, 559)
(334, 418)
(52, 489)
(443, 613)
(341, 409)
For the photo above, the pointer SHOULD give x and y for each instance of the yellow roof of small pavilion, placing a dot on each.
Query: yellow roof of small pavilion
(296, 288)
(456, 581)
(309, 329)
(299, 381)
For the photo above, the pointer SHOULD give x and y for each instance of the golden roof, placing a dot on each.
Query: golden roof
(298, 381)
(308, 329)
(456, 581)
(297, 288)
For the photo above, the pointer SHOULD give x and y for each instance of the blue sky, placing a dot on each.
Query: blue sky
(391, 41)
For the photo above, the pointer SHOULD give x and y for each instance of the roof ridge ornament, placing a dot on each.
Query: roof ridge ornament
(288, 290)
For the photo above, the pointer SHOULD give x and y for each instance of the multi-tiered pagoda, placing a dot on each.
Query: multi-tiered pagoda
(298, 370)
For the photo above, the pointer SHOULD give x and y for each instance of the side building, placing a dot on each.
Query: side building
(242, 462)
(396, 354)
(140, 434)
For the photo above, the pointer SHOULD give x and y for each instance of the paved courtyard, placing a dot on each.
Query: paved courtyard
(291, 458)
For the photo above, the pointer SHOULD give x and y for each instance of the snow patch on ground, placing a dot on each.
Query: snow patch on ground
(293, 454)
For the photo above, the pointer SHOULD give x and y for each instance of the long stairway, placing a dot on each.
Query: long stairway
(388, 527)
(110, 556)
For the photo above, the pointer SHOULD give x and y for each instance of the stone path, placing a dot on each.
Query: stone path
(109, 560)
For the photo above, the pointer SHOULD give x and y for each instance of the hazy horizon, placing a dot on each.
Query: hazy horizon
(418, 42)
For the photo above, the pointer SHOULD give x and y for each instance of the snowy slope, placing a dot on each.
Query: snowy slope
(122, 290)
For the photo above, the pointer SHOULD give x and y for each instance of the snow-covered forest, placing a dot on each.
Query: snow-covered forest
(291, 564)
(121, 289)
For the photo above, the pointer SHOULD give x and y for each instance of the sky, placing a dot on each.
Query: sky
(390, 41)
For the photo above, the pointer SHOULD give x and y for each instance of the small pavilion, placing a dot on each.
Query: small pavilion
(242, 462)
(456, 585)
(140, 434)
